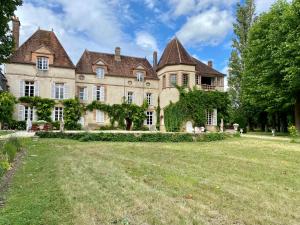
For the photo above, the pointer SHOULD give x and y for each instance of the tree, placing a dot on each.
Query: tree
(7, 8)
(245, 15)
(7, 106)
(272, 60)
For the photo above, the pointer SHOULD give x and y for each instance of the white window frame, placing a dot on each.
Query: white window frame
(100, 93)
(31, 88)
(185, 82)
(58, 113)
(149, 98)
(83, 93)
(129, 97)
(42, 63)
(149, 120)
(198, 79)
(209, 117)
(59, 91)
(173, 82)
(26, 109)
(100, 73)
(140, 76)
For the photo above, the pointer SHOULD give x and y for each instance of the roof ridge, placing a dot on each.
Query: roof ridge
(178, 50)
(111, 54)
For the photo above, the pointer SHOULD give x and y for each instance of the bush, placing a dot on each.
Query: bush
(135, 137)
(8, 151)
(293, 131)
(17, 125)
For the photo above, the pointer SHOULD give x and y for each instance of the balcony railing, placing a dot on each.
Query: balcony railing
(208, 87)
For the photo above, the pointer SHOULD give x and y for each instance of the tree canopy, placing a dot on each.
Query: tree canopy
(272, 60)
(7, 8)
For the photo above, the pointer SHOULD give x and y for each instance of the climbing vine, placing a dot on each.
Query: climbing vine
(43, 106)
(192, 105)
(73, 110)
(126, 115)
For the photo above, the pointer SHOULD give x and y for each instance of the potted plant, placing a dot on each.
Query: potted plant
(41, 124)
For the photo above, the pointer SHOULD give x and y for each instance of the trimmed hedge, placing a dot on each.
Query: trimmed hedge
(135, 137)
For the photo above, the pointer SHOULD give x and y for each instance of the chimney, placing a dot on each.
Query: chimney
(155, 60)
(16, 31)
(210, 63)
(118, 54)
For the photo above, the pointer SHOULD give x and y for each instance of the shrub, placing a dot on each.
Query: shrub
(10, 150)
(135, 137)
(4, 165)
(17, 125)
(293, 131)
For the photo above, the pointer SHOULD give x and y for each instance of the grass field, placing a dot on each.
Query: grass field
(237, 181)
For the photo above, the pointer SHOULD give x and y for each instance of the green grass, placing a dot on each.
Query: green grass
(4, 132)
(237, 181)
(277, 134)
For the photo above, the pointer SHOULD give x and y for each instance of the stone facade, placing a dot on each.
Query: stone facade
(41, 67)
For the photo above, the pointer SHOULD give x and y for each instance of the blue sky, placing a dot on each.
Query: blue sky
(138, 26)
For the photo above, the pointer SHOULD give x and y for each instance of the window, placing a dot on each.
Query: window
(58, 113)
(99, 94)
(59, 91)
(185, 80)
(83, 93)
(198, 79)
(130, 97)
(209, 117)
(140, 76)
(149, 118)
(164, 82)
(28, 112)
(42, 63)
(99, 116)
(100, 72)
(29, 88)
(149, 98)
(173, 80)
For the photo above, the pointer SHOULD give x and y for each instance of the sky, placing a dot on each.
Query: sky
(139, 27)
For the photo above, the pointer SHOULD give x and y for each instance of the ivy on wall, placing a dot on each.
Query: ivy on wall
(7, 104)
(126, 115)
(43, 106)
(192, 106)
(73, 110)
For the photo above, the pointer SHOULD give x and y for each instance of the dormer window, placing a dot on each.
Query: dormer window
(42, 63)
(100, 72)
(140, 76)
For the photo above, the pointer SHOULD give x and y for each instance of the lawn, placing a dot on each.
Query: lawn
(237, 181)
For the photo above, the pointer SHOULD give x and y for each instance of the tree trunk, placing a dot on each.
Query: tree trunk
(128, 124)
(297, 114)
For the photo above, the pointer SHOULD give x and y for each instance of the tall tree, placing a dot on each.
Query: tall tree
(272, 62)
(7, 9)
(245, 15)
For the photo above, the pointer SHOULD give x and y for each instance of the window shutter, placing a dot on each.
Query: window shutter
(21, 112)
(133, 98)
(99, 116)
(53, 90)
(215, 117)
(102, 94)
(66, 91)
(95, 93)
(86, 94)
(34, 117)
(36, 88)
(22, 88)
(53, 115)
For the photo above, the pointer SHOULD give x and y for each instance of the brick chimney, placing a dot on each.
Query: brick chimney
(118, 54)
(16, 31)
(155, 60)
(210, 63)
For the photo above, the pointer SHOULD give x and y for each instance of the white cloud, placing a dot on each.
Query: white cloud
(94, 25)
(264, 5)
(150, 3)
(209, 27)
(146, 41)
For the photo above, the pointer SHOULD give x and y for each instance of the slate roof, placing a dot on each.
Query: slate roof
(124, 67)
(42, 38)
(176, 54)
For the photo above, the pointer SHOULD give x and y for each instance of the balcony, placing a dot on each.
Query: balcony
(208, 87)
